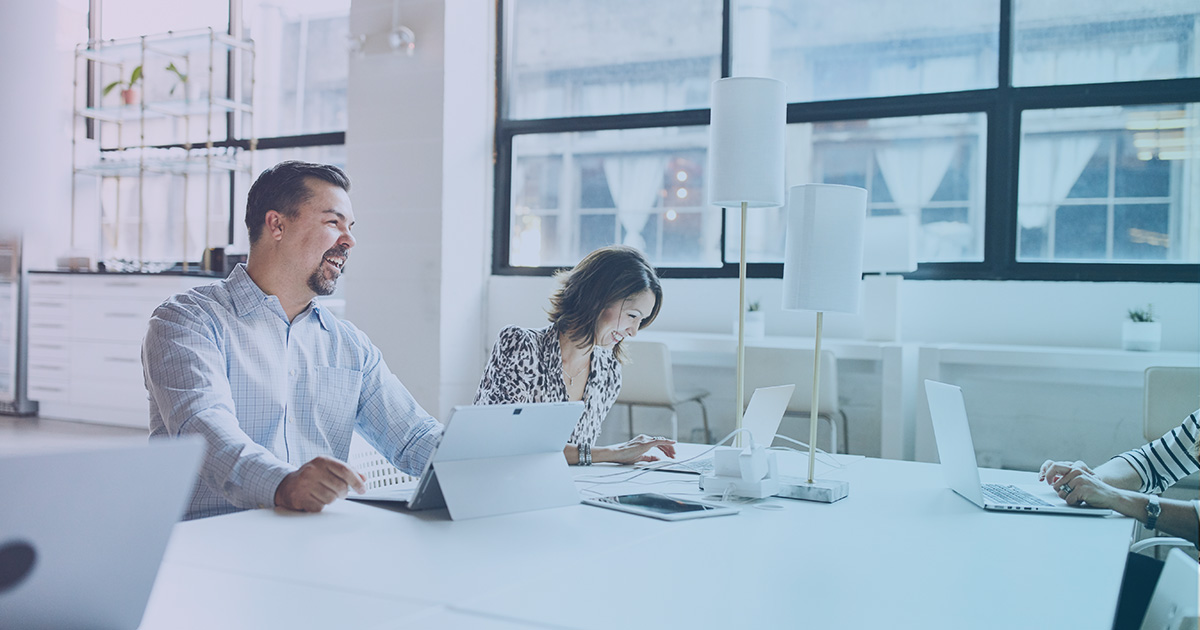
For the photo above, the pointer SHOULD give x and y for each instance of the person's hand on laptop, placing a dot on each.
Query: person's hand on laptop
(1076, 483)
(634, 450)
(319, 482)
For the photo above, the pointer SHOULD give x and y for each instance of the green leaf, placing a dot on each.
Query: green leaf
(135, 76)
(111, 86)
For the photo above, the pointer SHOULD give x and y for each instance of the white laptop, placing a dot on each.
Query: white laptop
(956, 452)
(762, 418)
(494, 459)
(82, 532)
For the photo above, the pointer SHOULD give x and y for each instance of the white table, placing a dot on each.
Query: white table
(1098, 367)
(900, 551)
(897, 363)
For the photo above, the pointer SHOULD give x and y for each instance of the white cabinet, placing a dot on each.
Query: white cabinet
(85, 339)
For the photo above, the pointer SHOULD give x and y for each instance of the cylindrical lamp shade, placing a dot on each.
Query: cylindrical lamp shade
(823, 258)
(746, 145)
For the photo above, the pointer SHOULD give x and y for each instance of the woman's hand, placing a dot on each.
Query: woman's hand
(1053, 471)
(634, 450)
(1077, 486)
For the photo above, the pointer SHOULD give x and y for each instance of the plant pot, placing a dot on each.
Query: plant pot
(1141, 336)
(130, 96)
(756, 325)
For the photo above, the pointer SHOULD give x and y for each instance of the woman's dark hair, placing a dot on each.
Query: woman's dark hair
(607, 275)
(284, 187)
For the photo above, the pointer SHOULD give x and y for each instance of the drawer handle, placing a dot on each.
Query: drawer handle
(121, 283)
(47, 346)
(124, 315)
(121, 360)
(39, 325)
(42, 388)
(55, 304)
(55, 368)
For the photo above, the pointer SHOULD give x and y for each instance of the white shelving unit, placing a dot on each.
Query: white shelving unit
(194, 92)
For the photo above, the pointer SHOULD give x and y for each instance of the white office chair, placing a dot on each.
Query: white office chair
(1170, 394)
(1173, 604)
(647, 381)
(780, 366)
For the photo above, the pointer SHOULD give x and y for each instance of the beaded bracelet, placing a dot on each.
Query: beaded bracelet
(585, 454)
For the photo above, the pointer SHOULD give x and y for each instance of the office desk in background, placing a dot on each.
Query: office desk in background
(901, 551)
(897, 368)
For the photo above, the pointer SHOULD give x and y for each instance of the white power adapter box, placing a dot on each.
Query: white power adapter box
(749, 472)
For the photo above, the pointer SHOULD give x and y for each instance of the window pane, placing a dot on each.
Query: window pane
(826, 50)
(134, 18)
(592, 57)
(1084, 41)
(574, 192)
(301, 65)
(1110, 184)
(930, 167)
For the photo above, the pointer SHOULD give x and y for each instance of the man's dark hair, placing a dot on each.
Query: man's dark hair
(607, 275)
(283, 188)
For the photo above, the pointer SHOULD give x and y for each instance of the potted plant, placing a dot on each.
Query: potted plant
(181, 80)
(756, 323)
(129, 92)
(1141, 332)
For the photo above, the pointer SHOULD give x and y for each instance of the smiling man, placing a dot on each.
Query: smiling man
(270, 378)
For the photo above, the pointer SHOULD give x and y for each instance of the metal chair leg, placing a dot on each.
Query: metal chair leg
(704, 416)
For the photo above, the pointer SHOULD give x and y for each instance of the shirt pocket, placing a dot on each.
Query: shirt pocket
(338, 391)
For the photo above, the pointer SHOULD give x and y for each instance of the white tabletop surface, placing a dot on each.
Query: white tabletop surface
(900, 551)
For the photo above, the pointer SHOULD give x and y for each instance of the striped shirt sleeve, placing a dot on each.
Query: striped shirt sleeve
(1168, 459)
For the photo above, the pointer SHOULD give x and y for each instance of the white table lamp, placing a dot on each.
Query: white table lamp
(746, 167)
(890, 248)
(822, 271)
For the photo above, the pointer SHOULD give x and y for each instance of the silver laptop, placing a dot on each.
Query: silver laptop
(762, 418)
(82, 533)
(957, 454)
(494, 459)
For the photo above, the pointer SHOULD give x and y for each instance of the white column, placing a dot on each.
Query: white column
(418, 152)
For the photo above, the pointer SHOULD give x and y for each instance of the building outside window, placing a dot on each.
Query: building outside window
(967, 115)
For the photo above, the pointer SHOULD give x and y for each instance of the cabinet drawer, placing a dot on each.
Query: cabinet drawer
(42, 387)
(116, 363)
(143, 287)
(53, 351)
(46, 284)
(41, 330)
(111, 319)
(96, 393)
(50, 309)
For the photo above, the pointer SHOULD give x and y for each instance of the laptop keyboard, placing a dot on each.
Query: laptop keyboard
(1004, 494)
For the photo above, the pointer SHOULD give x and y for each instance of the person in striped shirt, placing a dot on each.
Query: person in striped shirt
(1130, 483)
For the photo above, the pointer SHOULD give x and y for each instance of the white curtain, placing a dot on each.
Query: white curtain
(913, 170)
(1049, 168)
(634, 183)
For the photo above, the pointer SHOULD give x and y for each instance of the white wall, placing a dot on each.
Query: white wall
(418, 152)
(1083, 314)
(37, 46)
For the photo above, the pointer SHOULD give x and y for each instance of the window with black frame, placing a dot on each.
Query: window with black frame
(301, 67)
(1028, 140)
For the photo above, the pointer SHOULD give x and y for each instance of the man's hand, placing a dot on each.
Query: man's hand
(316, 484)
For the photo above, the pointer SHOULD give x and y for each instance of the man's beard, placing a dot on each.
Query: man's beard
(318, 282)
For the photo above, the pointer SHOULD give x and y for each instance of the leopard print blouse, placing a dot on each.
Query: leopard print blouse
(526, 366)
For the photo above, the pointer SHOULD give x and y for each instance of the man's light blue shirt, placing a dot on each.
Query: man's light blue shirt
(222, 361)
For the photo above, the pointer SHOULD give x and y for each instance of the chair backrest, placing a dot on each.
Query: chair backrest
(781, 366)
(646, 377)
(1173, 605)
(1170, 394)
